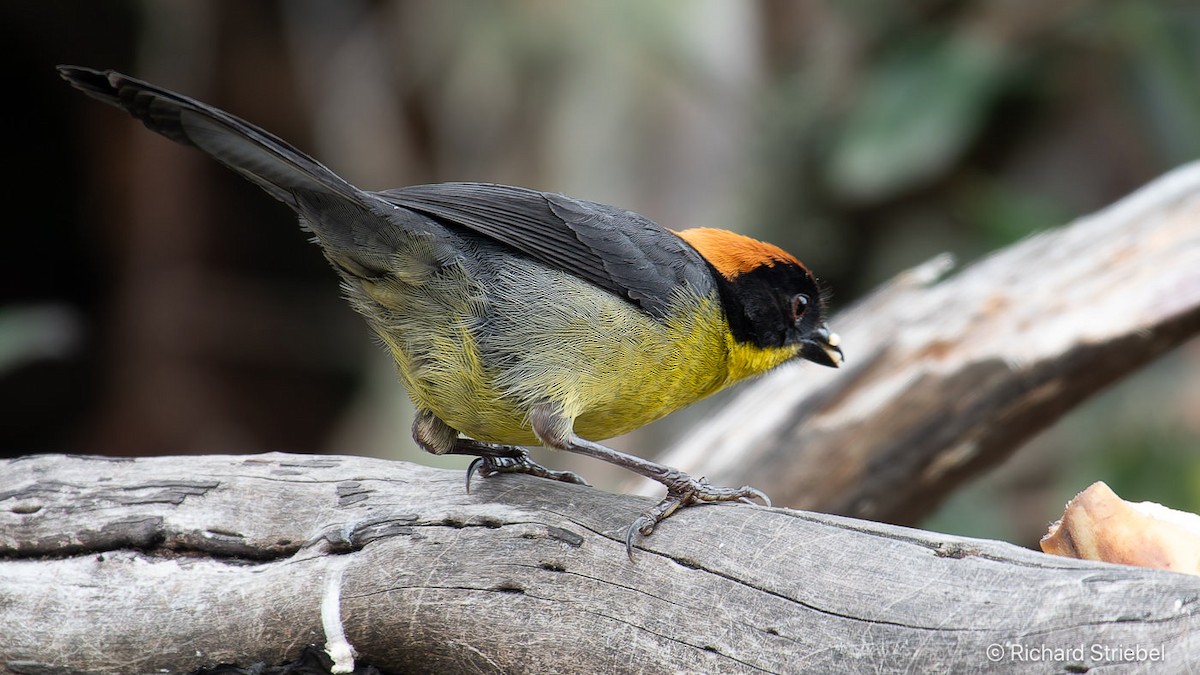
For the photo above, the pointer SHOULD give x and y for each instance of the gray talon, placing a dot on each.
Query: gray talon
(683, 490)
(488, 465)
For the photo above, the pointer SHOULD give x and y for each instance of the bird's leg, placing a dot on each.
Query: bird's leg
(437, 437)
(682, 489)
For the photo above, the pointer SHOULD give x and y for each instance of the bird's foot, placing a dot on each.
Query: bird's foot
(490, 465)
(683, 490)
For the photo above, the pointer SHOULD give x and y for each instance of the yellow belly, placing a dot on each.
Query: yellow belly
(615, 371)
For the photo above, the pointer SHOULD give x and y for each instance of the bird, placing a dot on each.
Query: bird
(518, 317)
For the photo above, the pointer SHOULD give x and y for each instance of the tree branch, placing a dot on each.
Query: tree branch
(946, 379)
(180, 563)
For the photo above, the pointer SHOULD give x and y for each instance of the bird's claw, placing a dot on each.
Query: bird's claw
(644, 524)
(490, 466)
(756, 494)
(687, 491)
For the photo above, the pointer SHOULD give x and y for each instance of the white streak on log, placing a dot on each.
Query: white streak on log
(336, 644)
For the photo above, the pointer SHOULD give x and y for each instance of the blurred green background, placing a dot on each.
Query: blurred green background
(153, 303)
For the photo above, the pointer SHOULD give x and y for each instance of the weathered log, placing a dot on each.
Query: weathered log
(175, 564)
(947, 378)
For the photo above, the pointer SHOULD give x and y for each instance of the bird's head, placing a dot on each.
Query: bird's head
(771, 300)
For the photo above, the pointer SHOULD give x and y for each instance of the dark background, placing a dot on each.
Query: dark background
(153, 303)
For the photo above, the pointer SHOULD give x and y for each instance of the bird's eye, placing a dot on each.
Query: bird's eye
(799, 306)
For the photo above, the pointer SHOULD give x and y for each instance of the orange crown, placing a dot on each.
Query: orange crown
(734, 254)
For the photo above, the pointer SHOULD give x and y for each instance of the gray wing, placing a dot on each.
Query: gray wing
(618, 250)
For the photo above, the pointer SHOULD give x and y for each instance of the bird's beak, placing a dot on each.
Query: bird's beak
(822, 347)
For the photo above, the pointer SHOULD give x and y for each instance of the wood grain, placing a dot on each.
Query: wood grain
(178, 563)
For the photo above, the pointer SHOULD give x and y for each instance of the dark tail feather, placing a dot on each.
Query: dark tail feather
(348, 221)
(265, 159)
